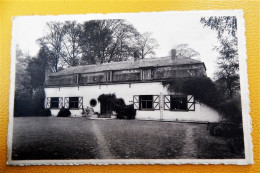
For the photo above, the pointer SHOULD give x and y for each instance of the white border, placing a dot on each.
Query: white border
(244, 98)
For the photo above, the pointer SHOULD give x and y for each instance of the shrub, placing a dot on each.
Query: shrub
(64, 112)
(233, 133)
(226, 130)
(118, 105)
(125, 111)
(206, 91)
(45, 113)
(232, 110)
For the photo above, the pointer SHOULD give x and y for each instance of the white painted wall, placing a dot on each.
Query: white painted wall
(126, 91)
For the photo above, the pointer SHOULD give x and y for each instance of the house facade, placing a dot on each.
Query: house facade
(137, 82)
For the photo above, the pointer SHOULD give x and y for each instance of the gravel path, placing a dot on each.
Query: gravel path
(103, 146)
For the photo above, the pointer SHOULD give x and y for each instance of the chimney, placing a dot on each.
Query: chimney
(173, 54)
(47, 72)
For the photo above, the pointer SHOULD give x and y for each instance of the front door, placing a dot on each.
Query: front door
(106, 110)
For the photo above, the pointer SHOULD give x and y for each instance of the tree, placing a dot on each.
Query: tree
(94, 40)
(124, 37)
(54, 41)
(22, 79)
(183, 50)
(227, 74)
(36, 68)
(107, 40)
(146, 45)
(70, 45)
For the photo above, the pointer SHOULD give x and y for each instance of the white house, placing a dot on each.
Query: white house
(138, 82)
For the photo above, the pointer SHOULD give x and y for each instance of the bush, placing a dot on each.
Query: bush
(64, 112)
(233, 133)
(118, 105)
(232, 110)
(206, 91)
(125, 111)
(226, 130)
(45, 113)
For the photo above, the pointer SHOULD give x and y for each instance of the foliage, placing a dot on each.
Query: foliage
(95, 41)
(107, 40)
(233, 132)
(123, 111)
(222, 24)
(22, 81)
(227, 74)
(206, 91)
(38, 100)
(36, 68)
(118, 105)
(64, 112)
(45, 113)
(183, 50)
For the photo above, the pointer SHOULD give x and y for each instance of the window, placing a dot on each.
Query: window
(93, 102)
(178, 102)
(54, 102)
(108, 74)
(147, 74)
(146, 102)
(73, 102)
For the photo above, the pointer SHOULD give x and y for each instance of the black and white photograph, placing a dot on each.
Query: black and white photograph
(129, 88)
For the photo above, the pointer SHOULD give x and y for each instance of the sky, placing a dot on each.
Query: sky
(168, 28)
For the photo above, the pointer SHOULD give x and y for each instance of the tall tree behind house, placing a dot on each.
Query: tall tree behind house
(183, 50)
(107, 40)
(71, 52)
(146, 44)
(22, 81)
(54, 41)
(227, 75)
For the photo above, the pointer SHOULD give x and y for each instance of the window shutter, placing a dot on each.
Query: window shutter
(191, 102)
(66, 102)
(60, 102)
(48, 103)
(156, 102)
(167, 102)
(136, 102)
(80, 102)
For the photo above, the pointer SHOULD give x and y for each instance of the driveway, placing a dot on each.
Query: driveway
(37, 138)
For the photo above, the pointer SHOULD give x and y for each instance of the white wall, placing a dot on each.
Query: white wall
(126, 91)
(202, 113)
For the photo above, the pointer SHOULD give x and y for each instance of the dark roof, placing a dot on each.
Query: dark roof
(123, 65)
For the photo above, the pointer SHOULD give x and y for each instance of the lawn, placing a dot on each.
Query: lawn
(81, 138)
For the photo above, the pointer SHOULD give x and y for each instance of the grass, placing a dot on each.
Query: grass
(75, 138)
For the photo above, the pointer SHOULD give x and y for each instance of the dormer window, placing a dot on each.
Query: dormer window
(147, 74)
(108, 76)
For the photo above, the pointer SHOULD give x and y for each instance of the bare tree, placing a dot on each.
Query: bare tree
(183, 50)
(124, 37)
(146, 45)
(71, 51)
(54, 42)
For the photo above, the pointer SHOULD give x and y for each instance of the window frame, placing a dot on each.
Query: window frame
(67, 102)
(140, 103)
(182, 97)
(49, 103)
(58, 102)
